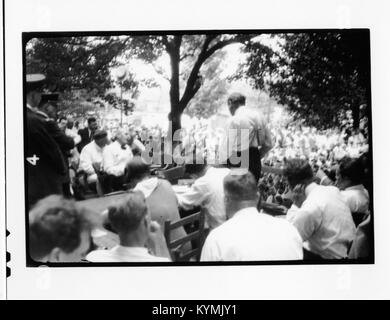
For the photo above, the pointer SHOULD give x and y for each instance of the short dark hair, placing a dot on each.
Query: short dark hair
(194, 168)
(351, 169)
(297, 171)
(237, 98)
(137, 168)
(100, 134)
(91, 119)
(127, 215)
(55, 222)
(240, 186)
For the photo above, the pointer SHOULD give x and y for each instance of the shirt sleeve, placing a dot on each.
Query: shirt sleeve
(266, 140)
(306, 219)
(86, 161)
(109, 163)
(197, 194)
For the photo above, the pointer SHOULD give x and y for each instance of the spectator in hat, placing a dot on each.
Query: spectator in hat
(87, 133)
(46, 167)
(91, 159)
(48, 111)
(248, 235)
(59, 231)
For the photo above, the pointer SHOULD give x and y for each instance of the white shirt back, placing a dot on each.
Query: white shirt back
(207, 192)
(357, 198)
(124, 254)
(115, 158)
(324, 221)
(253, 236)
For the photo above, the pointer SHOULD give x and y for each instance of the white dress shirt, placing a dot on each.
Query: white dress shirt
(324, 222)
(90, 154)
(253, 236)
(246, 128)
(207, 192)
(124, 254)
(73, 134)
(357, 198)
(115, 158)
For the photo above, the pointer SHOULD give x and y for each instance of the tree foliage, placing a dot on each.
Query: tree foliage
(319, 76)
(75, 63)
(211, 95)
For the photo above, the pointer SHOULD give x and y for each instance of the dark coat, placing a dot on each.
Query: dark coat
(46, 176)
(85, 138)
(65, 143)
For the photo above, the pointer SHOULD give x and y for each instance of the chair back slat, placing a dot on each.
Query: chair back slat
(185, 221)
(176, 246)
(187, 238)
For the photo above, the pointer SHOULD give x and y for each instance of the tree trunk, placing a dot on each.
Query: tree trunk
(174, 92)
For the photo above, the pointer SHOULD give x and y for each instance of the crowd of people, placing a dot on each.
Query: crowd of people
(320, 177)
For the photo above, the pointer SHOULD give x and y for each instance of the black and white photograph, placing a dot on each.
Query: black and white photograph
(198, 147)
(213, 150)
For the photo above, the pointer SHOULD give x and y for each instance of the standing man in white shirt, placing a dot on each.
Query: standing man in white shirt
(248, 235)
(249, 138)
(116, 156)
(320, 214)
(207, 192)
(91, 159)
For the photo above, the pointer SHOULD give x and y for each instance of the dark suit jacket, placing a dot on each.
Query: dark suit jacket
(46, 176)
(85, 138)
(65, 143)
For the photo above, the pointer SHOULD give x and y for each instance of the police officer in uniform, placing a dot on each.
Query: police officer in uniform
(45, 166)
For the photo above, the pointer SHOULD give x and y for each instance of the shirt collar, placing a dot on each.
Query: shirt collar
(120, 248)
(248, 210)
(310, 187)
(356, 187)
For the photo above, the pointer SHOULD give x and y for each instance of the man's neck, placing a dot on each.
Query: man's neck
(243, 205)
(135, 239)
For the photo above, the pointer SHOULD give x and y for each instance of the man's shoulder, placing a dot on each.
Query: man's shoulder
(100, 256)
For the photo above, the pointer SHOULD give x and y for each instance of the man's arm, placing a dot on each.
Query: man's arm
(86, 162)
(195, 196)
(65, 142)
(306, 219)
(109, 163)
(266, 140)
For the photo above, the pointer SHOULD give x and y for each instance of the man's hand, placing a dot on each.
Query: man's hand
(298, 195)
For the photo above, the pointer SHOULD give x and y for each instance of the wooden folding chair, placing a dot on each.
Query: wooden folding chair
(196, 237)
